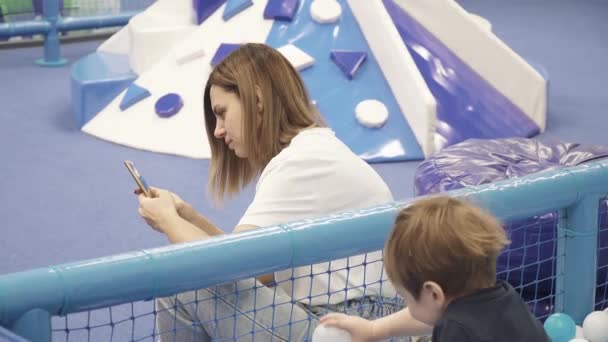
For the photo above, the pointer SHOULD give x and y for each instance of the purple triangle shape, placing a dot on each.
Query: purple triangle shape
(222, 52)
(205, 8)
(283, 10)
(348, 61)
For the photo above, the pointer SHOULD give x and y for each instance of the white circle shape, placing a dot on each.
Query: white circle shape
(325, 11)
(371, 113)
(330, 334)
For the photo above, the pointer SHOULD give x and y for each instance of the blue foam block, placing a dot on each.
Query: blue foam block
(348, 61)
(234, 7)
(96, 80)
(223, 51)
(205, 8)
(133, 95)
(283, 10)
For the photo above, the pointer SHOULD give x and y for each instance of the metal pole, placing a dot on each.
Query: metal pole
(52, 48)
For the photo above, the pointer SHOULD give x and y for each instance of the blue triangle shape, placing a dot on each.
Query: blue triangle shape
(234, 7)
(348, 61)
(222, 52)
(133, 95)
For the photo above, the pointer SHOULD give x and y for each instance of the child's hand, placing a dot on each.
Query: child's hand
(360, 329)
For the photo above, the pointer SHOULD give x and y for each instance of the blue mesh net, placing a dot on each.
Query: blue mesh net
(240, 310)
(247, 309)
(601, 297)
(529, 264)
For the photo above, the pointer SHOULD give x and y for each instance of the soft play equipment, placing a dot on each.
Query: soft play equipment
(529, 262)
(436, 72)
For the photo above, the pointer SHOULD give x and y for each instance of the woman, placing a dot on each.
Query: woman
(260, 122)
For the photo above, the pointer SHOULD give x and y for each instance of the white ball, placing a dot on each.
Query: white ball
(595, 326)
(371, 113)
(330, 334)
(579, 332)
(325, 11)
(578, 340)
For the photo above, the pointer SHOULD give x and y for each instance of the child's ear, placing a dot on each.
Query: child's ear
(435, 292)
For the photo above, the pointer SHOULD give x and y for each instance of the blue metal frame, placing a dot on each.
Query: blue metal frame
(28, 299)
(53, 24)
(579, 259)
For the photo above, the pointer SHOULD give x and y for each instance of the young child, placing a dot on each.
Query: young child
(441, 257)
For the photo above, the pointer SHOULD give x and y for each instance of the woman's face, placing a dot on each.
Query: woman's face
(228, 114)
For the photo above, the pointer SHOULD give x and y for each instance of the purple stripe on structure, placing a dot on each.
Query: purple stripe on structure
(467, 105)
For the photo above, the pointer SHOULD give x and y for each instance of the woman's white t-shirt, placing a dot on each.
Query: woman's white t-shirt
(317, 175)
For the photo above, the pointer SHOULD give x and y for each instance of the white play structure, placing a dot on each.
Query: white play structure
(169, 53)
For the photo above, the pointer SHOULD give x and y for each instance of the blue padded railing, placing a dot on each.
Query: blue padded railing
(51, 23)
(109, 298)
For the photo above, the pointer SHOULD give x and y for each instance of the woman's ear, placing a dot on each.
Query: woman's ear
(260, 100)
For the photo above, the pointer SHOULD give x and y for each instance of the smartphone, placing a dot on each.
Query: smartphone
(141, 182)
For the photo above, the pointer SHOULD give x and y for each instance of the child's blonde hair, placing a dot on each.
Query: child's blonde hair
(447, 241)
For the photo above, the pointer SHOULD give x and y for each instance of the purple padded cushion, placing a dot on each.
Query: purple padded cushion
(477, 161)
(528, 263)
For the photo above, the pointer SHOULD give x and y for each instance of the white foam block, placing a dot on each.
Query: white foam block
(481, 50)
(162, 13)
(118, 43)
(325, 11)
(184, 133)
(170, 12)
(187, 53)
(150, 45)
(482, 22)
(407, 85)
(298, 58)
(371, 113)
